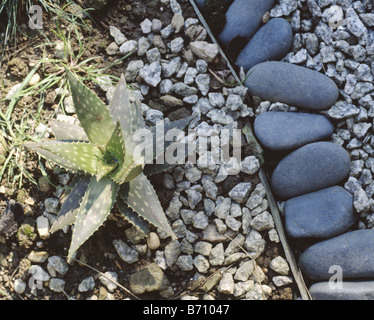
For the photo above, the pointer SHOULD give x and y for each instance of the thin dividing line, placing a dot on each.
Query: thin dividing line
(279, 226)
(202, 20)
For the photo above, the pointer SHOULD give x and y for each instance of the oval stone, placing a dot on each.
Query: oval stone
(244, 18)
(294, 85)
(271, 42)
(352, 253)
(324, 213)
(289, 130)
(315, 166)
(350, 290)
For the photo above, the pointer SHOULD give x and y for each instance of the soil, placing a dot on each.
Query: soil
(98, 251)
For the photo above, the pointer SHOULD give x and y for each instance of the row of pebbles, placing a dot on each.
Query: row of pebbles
(323, 85)
(219, 212)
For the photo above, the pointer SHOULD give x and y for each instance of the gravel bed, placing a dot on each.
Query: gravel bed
(228, 247)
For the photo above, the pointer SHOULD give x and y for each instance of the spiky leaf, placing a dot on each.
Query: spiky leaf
(128, 171)
(140, 196)
(69, 209)
(92, 113)
(67, 131)
(134, 170)
(62, 162)
(93, 211)
(132, 216)
(116, 146)
(128, 167)
(126, 113)
(84, 156)
(114, 154)
(104, 169)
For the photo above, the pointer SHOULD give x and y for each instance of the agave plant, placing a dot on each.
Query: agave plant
(101, 152)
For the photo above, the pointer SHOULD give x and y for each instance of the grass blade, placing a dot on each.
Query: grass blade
(16, 96)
